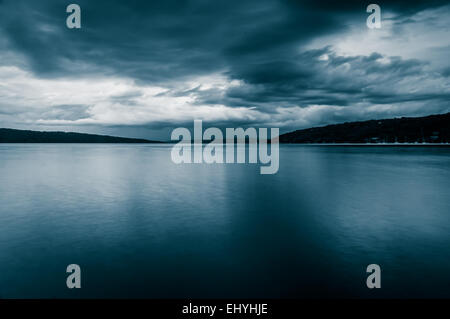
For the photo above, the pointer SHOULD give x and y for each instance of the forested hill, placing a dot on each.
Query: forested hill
(22, 136)
(428, 129)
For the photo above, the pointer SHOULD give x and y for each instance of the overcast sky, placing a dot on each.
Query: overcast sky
(141, 68)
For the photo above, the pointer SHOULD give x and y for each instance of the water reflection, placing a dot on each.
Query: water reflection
(141, 226)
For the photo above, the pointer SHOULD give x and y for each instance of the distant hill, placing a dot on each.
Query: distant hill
(428, 129)
(22, 136)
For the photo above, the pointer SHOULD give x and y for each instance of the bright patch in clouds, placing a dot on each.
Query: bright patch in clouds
(410, 37)
(110, 101)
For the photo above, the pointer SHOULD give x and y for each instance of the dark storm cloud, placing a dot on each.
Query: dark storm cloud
(319, 77)
(162, 40)
(446, 72)
(322, 77)
(260, 43)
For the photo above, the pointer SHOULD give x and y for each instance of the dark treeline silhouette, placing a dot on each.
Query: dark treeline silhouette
(429, 129)
(21, 136)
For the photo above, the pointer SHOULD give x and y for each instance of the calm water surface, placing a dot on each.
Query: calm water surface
(141, 226)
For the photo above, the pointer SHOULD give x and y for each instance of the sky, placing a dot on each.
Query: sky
(143, 68)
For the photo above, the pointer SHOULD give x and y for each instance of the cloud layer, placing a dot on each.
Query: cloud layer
(155, 64)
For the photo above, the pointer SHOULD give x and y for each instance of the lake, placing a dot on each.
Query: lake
(141, 226)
